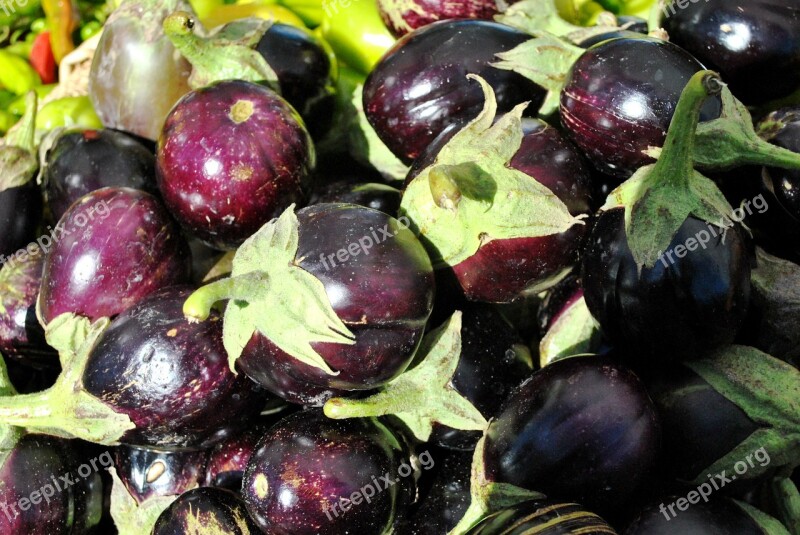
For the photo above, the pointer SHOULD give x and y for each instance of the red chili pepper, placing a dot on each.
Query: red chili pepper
(42, 58)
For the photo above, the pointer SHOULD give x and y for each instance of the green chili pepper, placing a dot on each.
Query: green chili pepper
(7, 120)
(67, 112)
(16, 74)
(356, 32)
(90, 29)
(17, 106)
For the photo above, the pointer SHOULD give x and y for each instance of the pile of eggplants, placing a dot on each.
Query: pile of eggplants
(536, 271)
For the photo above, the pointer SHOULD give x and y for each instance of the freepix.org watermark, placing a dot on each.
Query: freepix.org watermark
(9, 7)
(364, 244)
(99, 210)
(379, 484)
(715, 482)
(670, 7)
(702, 238)
(62, 483)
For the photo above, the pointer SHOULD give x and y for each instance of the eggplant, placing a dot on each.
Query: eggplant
(206, 510)
(20, 217)
(231, 157)
(755, 45)
(419, 86)
(311, 475)
(544, 517)
(403, 17)
(619, 98)
(306, 73)
(112, 248)
(82, 161)
(227, 460)
(381, 197)
(582, 429)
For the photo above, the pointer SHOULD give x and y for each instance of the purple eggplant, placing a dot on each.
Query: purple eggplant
(231, 157)
(753, 44)
(227, 460)
(543, 517)
(82, 161)
(111, 249)
(402, 17)
(306, 74)
(619, 98)
(311, 475)
(20, 216)
(420, 86)
(148, 473)
(46, 488)
(206, 510)
(582, 429)
(21, 335)
(170, 376)
(380, 197)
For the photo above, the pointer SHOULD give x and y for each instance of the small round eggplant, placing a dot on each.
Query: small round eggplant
(228, 459)
(402, 16)
(42, 491)
(112, 248)
(720, 517)
(311, 475)
(231, 157)
(543, 518)
(582, 429)
(382, 291)
(420, 86)
(170, 376)
(306, 74)
(679, 308)
(21, 335)
(148, 473)
(380, 197)
(86, 160)
(20, 216)
(493, 362)
(619, 98)
(206, 510)
(753, 44)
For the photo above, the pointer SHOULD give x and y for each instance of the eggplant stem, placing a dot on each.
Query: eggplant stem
(198, 306)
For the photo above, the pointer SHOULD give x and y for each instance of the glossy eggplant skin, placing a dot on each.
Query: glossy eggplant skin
(753, 44)
(227, 460)
(384, 297)
(148, 473)
(581, 429)
(82, 161)
(206, 510)
(307, 463)
(493, 362)
(402, 16)
(112, 248)
(21, 335)
(543, 518)
(680, 307)
(34, 467)
(619, 97)
(20, 216)
(502, 269)
(231, 157)
(306, 75)
(170, 376)
(700, 425)
(381, 197)
(720, 517)
(420, 85)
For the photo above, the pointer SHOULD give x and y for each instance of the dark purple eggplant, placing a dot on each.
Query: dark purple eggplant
(21, 335)
(380, 197)
(754, 44)
(170, 376)
(402, 17)
(493, 362)
(306, 74)
(378, 280)
(311, 475)
(148, 473)
(720, 517)
(20, 216)
(619, 98)
(420, 85)
(582, 429)
(82, 161)
(227, 460)
(678, 308)
(111, 249)
(231, 157)
(543, 518)
(46, 488)
(206, 510)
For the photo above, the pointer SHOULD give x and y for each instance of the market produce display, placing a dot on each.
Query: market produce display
(399, 267)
